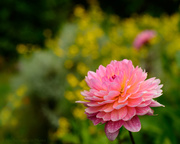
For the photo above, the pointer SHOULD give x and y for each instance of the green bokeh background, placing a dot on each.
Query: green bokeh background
(47, 48)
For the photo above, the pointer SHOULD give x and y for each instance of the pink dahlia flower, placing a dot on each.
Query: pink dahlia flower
(119, 94)
(143, 37)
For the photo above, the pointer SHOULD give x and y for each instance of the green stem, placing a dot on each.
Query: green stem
(131, 136)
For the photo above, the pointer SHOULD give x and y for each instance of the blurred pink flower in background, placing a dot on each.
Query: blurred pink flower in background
(118, 94)
(143, 38)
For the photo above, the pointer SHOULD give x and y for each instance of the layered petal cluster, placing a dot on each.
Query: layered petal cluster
(118, 94)
(143, 38)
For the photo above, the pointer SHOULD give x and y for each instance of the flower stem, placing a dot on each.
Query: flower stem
(131, 136)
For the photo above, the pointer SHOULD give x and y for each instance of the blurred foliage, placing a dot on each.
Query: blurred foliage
(37, 90)
(126, 8)
(29, 22)
(42, 102)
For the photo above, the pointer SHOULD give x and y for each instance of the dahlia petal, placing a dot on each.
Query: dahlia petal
(160, 86)
(93, 98)
(150, 112)
(83, 102)
(114, 126)
(107, 107)
(118, 105)
(123, 99)
(96, 84)
(101, 71)
(153, 86)
(124, 79)
(87, 80)
(152, 94)
(125, 61)
(131, 111)
(92, 91)
(123, 112)
(144, 76)
(111, 136)
(155, 104)
(113, 62)
(92, 104)
(111, 95)
(144, 103)
(116, 71)
(125, 90)
(95, 120)
(90, 115)
(119, 78)
(141, 76)
(143, 110)
(134, 88)
(134, 102)
(115, 115)
(148, 96)
(129, 68)
(100, 93)
(157, 95)
(92, 75)
(85, 93)
(107, 117)
(133, 125)
(109, 70)
(114, 86)
(136, 95)
(146, 84)
(157, 81)
(91, 110)
(105, 84)
(105, 102)
(101, 114)
(133, 79)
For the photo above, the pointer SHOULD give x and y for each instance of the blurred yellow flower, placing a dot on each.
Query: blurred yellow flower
(68, 64)
(13, 122)
(70, 96)
(21, 48)
(58, 51)
(92, 129)
(16, 103)
(72, 80)
(78, 95)
(5, 115)
(79, 40)
(79, 113)
(82, 68)
(73, 51)
(21, 91)
(63, 127)
(79, 11)
(63, 122)
(83, 85)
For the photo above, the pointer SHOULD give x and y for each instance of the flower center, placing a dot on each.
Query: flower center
(111, 79)
(114, 76)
